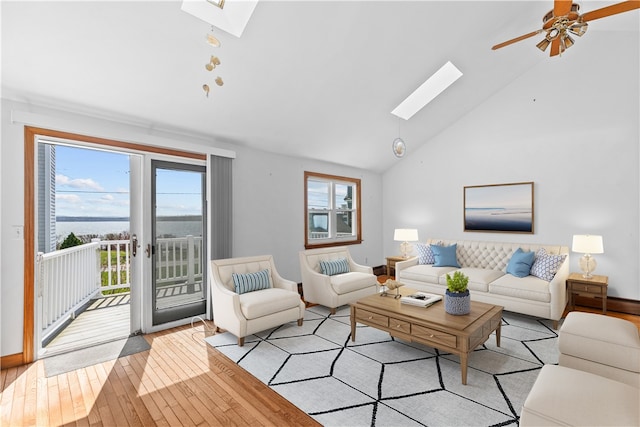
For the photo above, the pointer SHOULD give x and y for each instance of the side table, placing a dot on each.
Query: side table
(593, 287)
(391, 263)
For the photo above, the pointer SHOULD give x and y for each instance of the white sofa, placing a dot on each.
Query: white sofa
(339, 289)
(485, 263)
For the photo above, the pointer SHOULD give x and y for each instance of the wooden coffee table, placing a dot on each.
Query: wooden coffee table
(431, 326)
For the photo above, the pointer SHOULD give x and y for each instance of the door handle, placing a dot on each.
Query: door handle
(148, 250)
(134, 245)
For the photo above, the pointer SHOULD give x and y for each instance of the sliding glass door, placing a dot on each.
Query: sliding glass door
(178, 249)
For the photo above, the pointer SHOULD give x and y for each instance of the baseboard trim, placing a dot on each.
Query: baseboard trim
(11, 361)
(619, 305)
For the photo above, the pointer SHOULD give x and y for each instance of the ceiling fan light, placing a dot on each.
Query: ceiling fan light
(568, 41)
(212, 40)
(579, 28)
(544, 44)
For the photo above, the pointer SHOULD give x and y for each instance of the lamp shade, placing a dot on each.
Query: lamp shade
(587, 244)
(405, 235)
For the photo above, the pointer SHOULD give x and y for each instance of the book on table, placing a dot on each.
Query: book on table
(421, 299)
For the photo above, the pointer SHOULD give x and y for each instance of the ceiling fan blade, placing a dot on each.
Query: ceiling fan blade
(614, 9)
(561, 7)
(555, 47)
(517, 39)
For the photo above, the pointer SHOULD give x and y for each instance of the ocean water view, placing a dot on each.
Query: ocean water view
(498, 219)
(166, 227)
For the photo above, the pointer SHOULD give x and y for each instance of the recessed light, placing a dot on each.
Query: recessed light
(427, 91)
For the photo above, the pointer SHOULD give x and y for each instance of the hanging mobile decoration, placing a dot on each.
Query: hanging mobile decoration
(398, 147)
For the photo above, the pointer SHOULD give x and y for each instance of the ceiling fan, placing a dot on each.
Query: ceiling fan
(565, 19)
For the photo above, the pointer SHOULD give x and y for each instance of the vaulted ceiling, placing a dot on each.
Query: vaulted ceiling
(308, 79)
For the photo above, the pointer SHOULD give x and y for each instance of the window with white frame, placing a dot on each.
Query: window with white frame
(332, 210)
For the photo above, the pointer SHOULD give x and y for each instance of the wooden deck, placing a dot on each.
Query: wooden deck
(106, 319)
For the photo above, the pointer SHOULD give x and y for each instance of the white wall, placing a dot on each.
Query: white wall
(268, 208)
(570, 125)
(268, 198)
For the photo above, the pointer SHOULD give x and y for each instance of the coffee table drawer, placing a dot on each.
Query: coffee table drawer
(399, 325)
(369, 317)
(435, 336)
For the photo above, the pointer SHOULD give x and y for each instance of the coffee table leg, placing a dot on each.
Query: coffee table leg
(498, 333)
(353, 323)
(464, 358)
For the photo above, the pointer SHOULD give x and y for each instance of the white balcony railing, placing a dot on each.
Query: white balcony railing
(66, 280)
(69, 278)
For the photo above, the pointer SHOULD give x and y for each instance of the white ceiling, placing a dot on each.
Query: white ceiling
(309, 79)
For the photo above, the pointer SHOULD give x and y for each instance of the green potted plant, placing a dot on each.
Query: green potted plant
(457, 300)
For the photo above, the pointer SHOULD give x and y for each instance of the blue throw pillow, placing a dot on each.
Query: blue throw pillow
(249, 282)
(445, 256)
(334, 266)
(520, 263)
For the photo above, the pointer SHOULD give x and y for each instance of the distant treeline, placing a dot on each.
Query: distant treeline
(124, 218)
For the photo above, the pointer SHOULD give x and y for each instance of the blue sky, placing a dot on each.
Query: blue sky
(96, 183)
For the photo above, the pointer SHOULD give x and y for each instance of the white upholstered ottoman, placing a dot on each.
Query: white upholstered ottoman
(602, 345)
(568, 397)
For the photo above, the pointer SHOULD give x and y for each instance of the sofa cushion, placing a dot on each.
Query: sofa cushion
(267, 301)
(425, 273)
(445, 256)
(529, 288)
(479, 278)
(520, 263)
(250, 282)
(425, 254)
(352, 281)
(334, 266)
(546, 265)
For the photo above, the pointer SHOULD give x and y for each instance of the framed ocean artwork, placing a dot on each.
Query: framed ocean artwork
(501, 208)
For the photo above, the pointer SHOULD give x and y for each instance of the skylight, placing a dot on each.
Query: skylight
(434, 86)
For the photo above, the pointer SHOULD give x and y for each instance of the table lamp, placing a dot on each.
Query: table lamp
(405, 235)
(587, 245)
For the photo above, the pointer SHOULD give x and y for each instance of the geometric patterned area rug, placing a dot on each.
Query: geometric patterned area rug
(379, 380)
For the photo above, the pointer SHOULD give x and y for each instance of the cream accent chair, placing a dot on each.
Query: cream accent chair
(251, 312)
(597, 379)
(337, 290)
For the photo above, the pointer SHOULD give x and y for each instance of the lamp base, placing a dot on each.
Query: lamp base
(588, 265)
(405, 249)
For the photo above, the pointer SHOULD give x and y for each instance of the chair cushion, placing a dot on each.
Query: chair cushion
(250, 282)
(267, 301)
(334, 266)
(568, 397)
(602, 339)
(352, 281)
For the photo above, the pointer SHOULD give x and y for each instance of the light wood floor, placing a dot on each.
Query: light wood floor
(180, 381)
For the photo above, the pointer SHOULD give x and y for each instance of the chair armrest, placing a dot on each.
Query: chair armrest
(289, 285)
(360, 268)
(225, 302)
